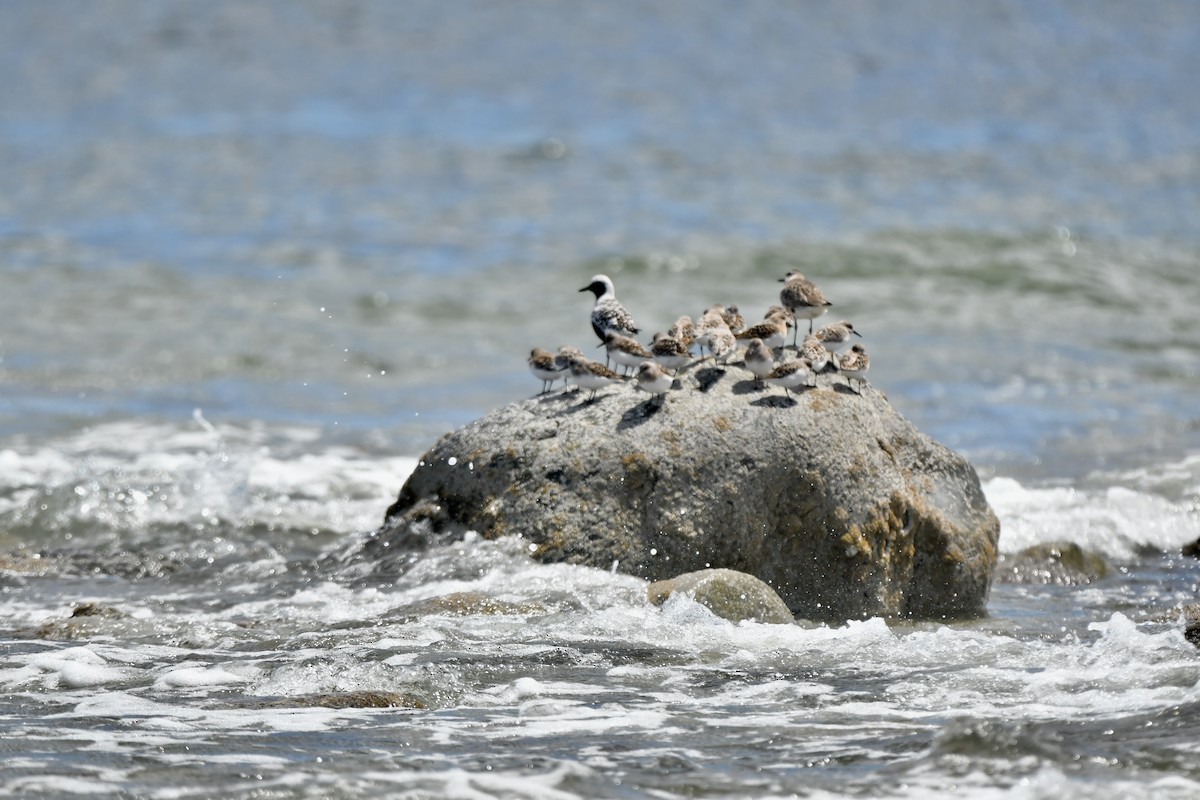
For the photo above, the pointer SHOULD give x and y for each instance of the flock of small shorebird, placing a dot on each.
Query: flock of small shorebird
(716, 335)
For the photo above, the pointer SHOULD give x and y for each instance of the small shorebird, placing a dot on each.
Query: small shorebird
(801, 297)
(654, 379)
(608, 314)
(683, 330)
(714, 334)
(722, 344)
(669, 352)
(772, 331)
(563, 358)
(733, 319)
(812, 351)
(836, 337)
(760, 360)
(592, 375)
(789, 375)
(546, 368)
(625, 350)
(777, 310)
(854, 365)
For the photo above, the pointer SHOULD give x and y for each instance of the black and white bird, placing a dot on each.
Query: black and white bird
(608, 314)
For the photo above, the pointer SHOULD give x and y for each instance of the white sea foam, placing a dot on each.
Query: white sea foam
(58, 785)
(194, 677)
(1115, 521)
(1043, 783)
(471, 785)
(65, 668)
(155, 715)
(128, 476)
(556, 667)
(1179, 480)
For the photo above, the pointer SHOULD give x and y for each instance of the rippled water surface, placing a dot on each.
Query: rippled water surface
(257, 257)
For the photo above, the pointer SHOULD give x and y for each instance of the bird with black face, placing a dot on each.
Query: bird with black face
(608, 314)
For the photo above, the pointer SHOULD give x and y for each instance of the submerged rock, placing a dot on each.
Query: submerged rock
(729, 594)
(339, 700)
(1186, 615)
(1062, 563)
(827, 494)
(464, 604)
(86, 621)
(129, 564)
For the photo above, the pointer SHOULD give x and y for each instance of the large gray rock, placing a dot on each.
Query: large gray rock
(828, 495)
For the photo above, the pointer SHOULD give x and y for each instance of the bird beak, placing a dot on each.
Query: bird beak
(856, 333)
(586, 288)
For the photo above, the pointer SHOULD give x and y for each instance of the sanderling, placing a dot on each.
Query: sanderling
(773, 331)
(608, 314)
(722, 344)
(545, 367)
(625, 350)
(670, 352)
(789, 374)
(654, 379)
(780, 311)
(565, 353)
(836, 337)
(801, 297)
(854, 365)
(733, 318)
(683, 330)
(812, 351)
(710, 321)
(713, 333)
(760, 360)
(592, 375)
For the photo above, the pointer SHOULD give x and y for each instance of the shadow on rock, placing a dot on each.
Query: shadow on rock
(562, 395)
(642, 412)
(749, 387)
(708, 377)
(585, 401)
(775, 401)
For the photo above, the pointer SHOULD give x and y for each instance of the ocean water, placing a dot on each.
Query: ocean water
(257, 257)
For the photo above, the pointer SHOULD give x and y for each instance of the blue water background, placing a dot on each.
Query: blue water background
(360, 216)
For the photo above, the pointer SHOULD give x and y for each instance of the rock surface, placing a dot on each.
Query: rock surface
(1062, 563)
(828, 495)
(729, 594)
(341, 700)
